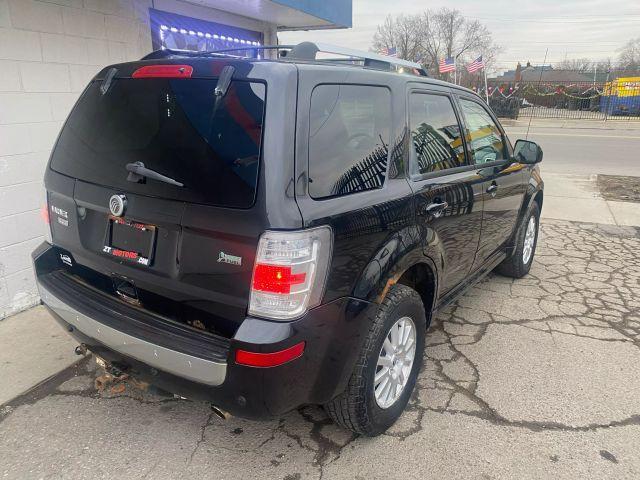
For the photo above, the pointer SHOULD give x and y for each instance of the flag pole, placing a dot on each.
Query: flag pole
(455, 71)
(486, 87)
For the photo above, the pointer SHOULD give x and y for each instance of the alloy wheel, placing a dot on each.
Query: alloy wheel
(529, 240)
(395, 362)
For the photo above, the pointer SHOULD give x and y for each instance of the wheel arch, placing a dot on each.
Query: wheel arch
(538, 198)
(400, 259)
(534, 193)
(422, 277)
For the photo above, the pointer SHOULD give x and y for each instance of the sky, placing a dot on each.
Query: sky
(595, 29)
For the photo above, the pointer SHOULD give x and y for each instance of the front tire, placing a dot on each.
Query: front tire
(387, 368)
(519, 263)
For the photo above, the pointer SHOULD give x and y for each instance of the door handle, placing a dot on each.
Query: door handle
(434, 209)
(493, 189)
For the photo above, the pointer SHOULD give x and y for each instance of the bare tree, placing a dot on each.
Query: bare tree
(605, 65)
(630, 54)
(400, 32)
(577, 64)
(460, 38)
(430, 36)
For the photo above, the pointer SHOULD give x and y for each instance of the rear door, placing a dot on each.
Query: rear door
(350, 172)
(448, 191)
(502, 179)
(183, 247)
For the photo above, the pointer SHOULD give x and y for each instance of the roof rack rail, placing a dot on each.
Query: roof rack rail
(308, 51)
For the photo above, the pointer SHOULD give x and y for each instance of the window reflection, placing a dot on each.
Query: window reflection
(367, 174)
(348, 139)
(483, 135)
(437, 144)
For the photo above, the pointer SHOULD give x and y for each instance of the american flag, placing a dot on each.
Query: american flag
(390, 52)
(447, 65)
(476, 65)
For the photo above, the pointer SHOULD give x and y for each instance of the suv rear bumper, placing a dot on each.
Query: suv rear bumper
(204, 368)
(184, 365)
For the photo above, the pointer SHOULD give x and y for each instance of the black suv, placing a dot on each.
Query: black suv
(265, 234)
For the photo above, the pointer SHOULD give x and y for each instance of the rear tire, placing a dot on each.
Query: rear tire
(519, 263)
(364, 407)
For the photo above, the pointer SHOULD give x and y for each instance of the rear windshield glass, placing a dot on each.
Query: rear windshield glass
(174, 127)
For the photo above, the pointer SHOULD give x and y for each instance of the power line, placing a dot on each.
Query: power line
(560, 17)
(568, 52)
(561, 43)
(562, 20)
(528, 58)
(575, 16)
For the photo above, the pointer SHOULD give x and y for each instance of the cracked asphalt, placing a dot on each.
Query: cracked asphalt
(530, 378)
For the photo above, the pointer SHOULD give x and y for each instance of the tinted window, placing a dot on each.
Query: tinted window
(435, 134)
(174, 127)
(348, 139)
(483, 136)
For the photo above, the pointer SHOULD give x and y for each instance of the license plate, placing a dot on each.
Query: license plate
(130, 241)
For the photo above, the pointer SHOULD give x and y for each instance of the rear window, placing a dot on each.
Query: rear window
(174, 127)
(348, 139)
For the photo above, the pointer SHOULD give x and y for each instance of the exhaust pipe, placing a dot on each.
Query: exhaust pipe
(81, 349)
(220, 413)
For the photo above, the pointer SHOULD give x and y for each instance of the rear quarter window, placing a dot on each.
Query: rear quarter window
(349, 131)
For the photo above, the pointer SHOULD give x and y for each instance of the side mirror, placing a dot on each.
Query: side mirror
(527, 152)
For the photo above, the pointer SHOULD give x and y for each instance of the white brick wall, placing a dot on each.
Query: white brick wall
(49, 50)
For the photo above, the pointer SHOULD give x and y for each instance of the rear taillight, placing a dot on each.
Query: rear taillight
(44, 213)
(163, 71)
(271, 359)
(289, 272)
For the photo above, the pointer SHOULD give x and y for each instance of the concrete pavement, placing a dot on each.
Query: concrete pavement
(532, 378)
(578, 198)
(32, 348)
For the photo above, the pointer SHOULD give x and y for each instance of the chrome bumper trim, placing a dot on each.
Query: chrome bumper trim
(177, 363)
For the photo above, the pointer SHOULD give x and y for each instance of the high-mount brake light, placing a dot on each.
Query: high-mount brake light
(163, 71)
(289, 272)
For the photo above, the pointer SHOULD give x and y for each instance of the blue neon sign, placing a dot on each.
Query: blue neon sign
(177, 32)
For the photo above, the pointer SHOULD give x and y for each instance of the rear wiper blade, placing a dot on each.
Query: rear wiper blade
(224, 80)
(137, 172)
(222, 86)
(108, 78)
